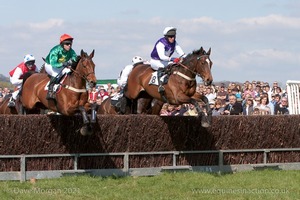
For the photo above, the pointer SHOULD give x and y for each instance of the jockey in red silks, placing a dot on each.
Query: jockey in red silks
(16, 76)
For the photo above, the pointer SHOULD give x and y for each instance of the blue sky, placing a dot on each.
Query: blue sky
(250, 40)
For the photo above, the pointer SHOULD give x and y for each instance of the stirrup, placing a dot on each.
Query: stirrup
(161, 89)
(50, 96)
(11, 104)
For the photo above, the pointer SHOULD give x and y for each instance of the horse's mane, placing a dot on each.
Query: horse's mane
(197, 52)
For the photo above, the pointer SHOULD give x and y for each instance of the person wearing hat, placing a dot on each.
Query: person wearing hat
(162, 52)
(122, 81)
(58, 60)
(16, 76)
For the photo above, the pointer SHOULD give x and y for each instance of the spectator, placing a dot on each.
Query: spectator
(221, 95)
(234, 107)
(263, 107)
(164, 110)
(170, 109)
(217, 109)
(191, 110)
(103, 94)
(281, 108)
(93, 95)
(179, 110)
(250, 90)
(248, 107)
(209, 94)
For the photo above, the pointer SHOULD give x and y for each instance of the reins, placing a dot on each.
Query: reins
(81, 76)
(187, 68)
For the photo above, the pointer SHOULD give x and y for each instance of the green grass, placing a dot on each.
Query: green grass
(265, 184)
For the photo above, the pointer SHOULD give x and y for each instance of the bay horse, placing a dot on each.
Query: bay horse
(181, 85)
(108, 106)
(18, 108)
(72, 95)
(4, 109)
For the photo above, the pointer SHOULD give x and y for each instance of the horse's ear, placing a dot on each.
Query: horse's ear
(208, 53)
(81, 53)
(92, 54)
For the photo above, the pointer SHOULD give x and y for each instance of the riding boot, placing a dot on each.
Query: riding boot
(11, 103)
(160, 73)
(51, 94)
(123, 104)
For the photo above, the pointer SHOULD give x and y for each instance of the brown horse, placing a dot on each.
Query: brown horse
(18, 108)
(4, 109)
(181, 84)
(72, 95)
(109, 106)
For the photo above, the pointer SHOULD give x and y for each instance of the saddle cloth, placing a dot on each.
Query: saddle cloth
(154, 79)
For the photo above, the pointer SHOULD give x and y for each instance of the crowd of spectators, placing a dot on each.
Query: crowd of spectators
(248, 98)
(4, 92)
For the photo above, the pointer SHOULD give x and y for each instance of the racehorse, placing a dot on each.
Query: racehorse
(4, 109)
(18, 108)
(71, 96)
(109, 106)
(181, 85)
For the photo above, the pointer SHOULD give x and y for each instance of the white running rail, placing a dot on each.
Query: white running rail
(293, 88)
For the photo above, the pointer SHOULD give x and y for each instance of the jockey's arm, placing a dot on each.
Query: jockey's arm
(15, 79)
(179, 50)
(161, 52)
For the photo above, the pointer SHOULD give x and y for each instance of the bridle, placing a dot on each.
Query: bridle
(84, 77)
(187, 68)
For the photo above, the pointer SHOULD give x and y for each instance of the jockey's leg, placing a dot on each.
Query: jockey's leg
(160, 73)
(54, 80)
(12, 99)
(123, 104)
(51, 94)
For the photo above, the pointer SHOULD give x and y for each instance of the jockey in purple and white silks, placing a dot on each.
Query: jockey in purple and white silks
(162, 52)
(164, 49)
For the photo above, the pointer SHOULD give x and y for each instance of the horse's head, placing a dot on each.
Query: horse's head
(199, 62)
(86, 68)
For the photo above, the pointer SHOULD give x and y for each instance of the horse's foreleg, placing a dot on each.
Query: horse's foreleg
(93, 113)
(205, 118)
(84, 115)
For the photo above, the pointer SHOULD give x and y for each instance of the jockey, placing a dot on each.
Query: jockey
(122, 80)
(57, 62)
(162, 52)
(16, 76)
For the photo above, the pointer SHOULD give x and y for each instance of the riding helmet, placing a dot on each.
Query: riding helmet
(28, 58)
(169, 31)
(65, 37)
(137, 59)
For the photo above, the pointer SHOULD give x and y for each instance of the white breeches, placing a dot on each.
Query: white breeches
(155, 64)
(52, 71)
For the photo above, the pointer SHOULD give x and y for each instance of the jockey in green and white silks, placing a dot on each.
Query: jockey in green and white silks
(59, 58)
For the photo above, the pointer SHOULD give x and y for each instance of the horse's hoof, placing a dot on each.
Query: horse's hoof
(205, 124)
(86, 130)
